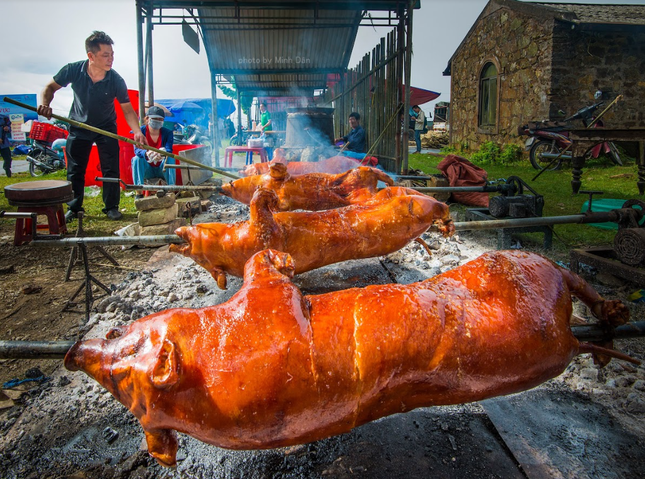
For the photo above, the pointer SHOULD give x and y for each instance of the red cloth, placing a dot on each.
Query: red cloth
(461, 172)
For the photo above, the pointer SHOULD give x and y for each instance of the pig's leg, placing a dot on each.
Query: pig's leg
(269, 264)
(263, 201)
(612, 312)
(162, 445)
(263, 230)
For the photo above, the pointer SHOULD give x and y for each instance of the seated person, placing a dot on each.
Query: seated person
(149, 164)
(355, 139)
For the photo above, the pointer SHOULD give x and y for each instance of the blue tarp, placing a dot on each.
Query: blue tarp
(10, 108)
(195, 111)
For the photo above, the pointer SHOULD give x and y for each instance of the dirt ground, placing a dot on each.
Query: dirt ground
(34, 293)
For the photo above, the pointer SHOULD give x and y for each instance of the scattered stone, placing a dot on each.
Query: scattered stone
(163, 229)
(589, 374)
(158, 216)
(110, 435)
(154, 202)
(172, 297)
(189, 207)
(639, 385)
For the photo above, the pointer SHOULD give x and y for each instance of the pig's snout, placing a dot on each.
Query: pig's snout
(86, 356)
(184, 233)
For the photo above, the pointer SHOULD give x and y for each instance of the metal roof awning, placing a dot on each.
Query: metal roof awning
(278, 47)
(278, 50)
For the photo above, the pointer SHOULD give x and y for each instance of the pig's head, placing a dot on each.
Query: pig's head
(135, 363)
(203, 246)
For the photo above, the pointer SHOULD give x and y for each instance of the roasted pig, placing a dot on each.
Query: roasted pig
(314, 191)
(384, 224)
(272, 368)
(335, 164)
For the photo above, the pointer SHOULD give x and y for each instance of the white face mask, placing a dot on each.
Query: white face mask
(155, 124)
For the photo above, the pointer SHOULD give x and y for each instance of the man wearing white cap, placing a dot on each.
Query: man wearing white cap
(149, 164)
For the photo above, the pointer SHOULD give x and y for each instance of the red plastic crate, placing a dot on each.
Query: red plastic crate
(46, 132)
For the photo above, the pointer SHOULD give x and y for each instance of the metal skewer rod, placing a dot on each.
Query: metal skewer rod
(450, 189)
(78, 124)
(16, 215)
(34, 349)
(597, 217)
(159, 187)
(110, 240)
(58, 349)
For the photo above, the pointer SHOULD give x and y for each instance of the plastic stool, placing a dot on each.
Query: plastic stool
(55, 222)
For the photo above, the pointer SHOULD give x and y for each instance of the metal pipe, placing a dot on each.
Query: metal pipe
(12, 214)
(180, 167)
(551, 156)
(613, 216)
(159, 187)
(151, 95)
(141, 70)
(58, 349)
(34, 349)
(109, 134)
(408, 74)
(519, 222)
(110, 240)
(600, 217)
(594, 332)
(450, 189)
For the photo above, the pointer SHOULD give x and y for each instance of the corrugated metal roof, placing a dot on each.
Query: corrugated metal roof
(375, 5)
(599, 14)
(272, 41)
(271, 46)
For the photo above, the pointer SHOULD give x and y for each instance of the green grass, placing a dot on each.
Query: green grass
(616, 182)
(598, 175)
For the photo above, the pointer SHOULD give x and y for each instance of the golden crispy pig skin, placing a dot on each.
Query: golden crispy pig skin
(314, 191)
(335, 164)
(385, 223)
(271, 367)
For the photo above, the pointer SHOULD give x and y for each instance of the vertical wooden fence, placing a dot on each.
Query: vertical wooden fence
(373, 89)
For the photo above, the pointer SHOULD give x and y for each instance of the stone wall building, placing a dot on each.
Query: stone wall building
(533, 61)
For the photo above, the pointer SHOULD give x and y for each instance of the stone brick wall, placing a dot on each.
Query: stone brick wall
(544, 66)
(520, 46)
(600, 59)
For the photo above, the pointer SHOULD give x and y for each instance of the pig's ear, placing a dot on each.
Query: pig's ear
(166, 370)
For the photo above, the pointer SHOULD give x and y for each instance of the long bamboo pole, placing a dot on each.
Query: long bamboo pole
(78, 124)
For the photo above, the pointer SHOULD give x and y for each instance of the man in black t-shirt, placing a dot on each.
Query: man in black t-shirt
(95, 87)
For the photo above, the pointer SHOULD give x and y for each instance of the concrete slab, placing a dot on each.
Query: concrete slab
(562, 434)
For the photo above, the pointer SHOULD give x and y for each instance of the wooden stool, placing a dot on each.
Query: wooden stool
(55, 222)
(44, 197)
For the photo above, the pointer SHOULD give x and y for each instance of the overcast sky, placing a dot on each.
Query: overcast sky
(40, 36)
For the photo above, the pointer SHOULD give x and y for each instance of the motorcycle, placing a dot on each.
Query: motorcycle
(43, 159)
(548, 141)
(191, 135)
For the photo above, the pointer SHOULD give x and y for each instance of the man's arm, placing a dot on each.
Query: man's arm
(133, 122)
(140, 152)
(46, 97)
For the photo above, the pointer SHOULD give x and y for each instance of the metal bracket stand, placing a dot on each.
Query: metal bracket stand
(76, 256)
(80, 250)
